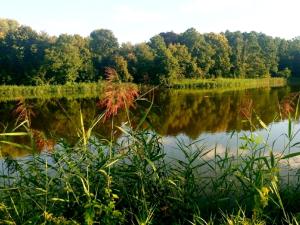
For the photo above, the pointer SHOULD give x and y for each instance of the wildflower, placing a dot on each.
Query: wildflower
(116, 96)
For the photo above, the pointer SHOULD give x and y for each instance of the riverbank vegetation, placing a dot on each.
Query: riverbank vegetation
(133, 180)
(95, 90)
(228, 83)
(70, 91)
(31, 58)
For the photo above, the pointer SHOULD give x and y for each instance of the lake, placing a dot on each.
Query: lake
(219, 119)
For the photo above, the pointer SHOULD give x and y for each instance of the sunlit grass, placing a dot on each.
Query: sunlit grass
(69, 91)
(228, 83)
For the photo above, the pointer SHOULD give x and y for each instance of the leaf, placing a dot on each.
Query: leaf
(151, 164)
(16, 145)
(295, 144)
(58, 200)
(111, 163)
(145, 115)
(14, 134)
(290, 128)
(262, 123)
(291, 155)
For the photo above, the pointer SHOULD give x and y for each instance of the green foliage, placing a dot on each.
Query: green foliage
(199, 49)
(187, 64)
(21, 55)
(64, 61)
(284, 73)
(103, 46)
(221, 62)
(132, 181)
(103, 43)
(122, 69)
(6, 26)
(166, 65)
(31, 58)
(144, 63)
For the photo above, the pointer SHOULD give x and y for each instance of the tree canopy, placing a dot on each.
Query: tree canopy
(29, 58)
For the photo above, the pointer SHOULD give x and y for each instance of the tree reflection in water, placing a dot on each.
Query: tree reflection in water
(190, 113)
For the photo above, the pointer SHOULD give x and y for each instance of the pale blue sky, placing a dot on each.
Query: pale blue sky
(138, 20)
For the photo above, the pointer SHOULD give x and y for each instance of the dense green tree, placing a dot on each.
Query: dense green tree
(236, 42)
(21, 57)
(221, 57)
(127, 50)
(104, 46)
(170, 37)
(29, 58)
(283, 54)
(122, 69)
(68, 60)
(144, 63)
(294, 56)
(86, 71)
(269, 53)
(166, 66)
(187, 64)
(103, 43)
(7, 25)
(199, 49)
(253, 57)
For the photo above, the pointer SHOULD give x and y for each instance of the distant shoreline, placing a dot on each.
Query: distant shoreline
(93, 90)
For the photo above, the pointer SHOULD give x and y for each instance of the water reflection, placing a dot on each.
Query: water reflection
(188, 114)
(195, 113)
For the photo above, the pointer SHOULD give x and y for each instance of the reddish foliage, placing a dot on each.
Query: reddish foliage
(116, 96)
(111, 74)
(23, 110)
(41, 142)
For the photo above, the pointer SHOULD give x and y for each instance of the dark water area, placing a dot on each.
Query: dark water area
(187, 115)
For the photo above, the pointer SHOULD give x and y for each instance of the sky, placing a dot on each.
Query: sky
(138, 20)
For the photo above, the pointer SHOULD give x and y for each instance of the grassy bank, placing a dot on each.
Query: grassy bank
(228, 83)
(133, 181)
(75, 90)
(89, 90)
(69, 91)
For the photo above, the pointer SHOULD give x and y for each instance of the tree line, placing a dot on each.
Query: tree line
(28, 57)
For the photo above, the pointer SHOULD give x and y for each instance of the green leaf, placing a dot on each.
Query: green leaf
(291, 155)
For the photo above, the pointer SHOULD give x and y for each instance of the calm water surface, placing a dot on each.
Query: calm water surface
(215, 118)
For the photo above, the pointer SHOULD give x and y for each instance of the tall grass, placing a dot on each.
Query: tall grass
(90, 90)
(75, 90)
(133, 181)
(228, 83)
(69, 91)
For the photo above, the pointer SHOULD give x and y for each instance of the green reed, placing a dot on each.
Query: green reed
(68, 91)
(228, 83)
(76, 90)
